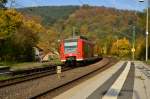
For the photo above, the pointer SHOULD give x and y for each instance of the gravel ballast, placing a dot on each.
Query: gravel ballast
(34, 87)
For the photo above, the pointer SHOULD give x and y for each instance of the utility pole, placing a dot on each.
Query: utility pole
(11, 3)
(146, 56)
(73, 31)
(147, 33)
(133, 43)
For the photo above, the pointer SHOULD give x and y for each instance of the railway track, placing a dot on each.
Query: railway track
(43, 94)
(35, 73)
(26, 77)
(35, 87)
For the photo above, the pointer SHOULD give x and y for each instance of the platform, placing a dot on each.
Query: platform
(142, 81)
(124, 80)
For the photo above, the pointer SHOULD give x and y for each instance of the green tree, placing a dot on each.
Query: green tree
(2, 3)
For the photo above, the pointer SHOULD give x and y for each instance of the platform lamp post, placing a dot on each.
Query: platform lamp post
(146, 56)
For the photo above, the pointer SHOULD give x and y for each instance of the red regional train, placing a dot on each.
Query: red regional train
(76, 49)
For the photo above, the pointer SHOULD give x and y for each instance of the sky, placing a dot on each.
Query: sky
(120, 4)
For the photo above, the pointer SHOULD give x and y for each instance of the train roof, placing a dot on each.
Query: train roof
(78, 37)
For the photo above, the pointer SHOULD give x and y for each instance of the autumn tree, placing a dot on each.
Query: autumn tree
(49, 41)
(10, 20)
(121, 48)
(18, 36)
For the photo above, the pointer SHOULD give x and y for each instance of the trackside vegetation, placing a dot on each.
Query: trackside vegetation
(110, 29)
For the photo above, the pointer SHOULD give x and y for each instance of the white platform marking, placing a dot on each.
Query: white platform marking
(85, 89)
(115, 89)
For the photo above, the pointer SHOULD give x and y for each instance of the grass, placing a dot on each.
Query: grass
(4, 77)
(24, 65)
(148, 62)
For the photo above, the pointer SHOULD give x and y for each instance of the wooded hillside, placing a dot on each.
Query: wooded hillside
(49, 14)
(112, 30)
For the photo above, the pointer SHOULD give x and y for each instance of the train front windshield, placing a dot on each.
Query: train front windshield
(70, 46)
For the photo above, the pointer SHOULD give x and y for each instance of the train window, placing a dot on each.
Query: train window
(70, 47)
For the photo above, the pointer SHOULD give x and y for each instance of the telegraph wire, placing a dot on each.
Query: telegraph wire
(16, 4)
(80, 1)
(12, 3)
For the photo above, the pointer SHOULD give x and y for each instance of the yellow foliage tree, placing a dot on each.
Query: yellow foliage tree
(18, 35)
(10, 21)
(121, 48)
